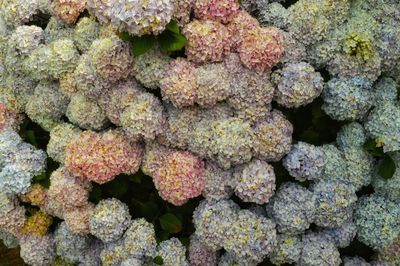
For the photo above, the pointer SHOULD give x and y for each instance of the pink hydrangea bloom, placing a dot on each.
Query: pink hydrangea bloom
(78, 219)
(219, 10)
(208, 41)
(12, 215)
(179, 85)
(99, 157)
(200, 254)
(182, 10)
(68, 190)
(240, 25)
(68, 10)
(180, 177)
(8, 119)
(261, 48)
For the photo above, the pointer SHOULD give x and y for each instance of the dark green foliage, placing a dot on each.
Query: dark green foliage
(30, 137)
(164, 235)
(173, 27)
(95, 194)
(311, 124)
(118, 187)
(170, 223)
(370, 146)
(33, 134)
(356, 248)
(158, 260)
(136, 178)
(141, 45)
(170, 40)
(41, 20)
(387, 167)
(125, 36)
(44, 178)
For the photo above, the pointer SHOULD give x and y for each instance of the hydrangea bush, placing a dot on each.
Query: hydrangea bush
(200, 132)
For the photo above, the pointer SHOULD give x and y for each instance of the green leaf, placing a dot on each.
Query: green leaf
(321, 123)
(171, 41)
(173, 27)
(136, 178)
(316, 111)
(170, 223)
(149, 210)
(370, 146)
(310, 135)
(116, 188)
(40, 177)
(45, 182)
(43, 179)
(125, 36)
(30, 136)
(387, 167)
(95, 194)
(158, 260)
(163, 235)
(185, 241)
(141, 45)
(305, 183)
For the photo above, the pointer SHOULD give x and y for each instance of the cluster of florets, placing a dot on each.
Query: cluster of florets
(67, 190)
(348, 99)
(177, 175)
(200, 254)
(346, 160)
(109, 220)
(99, 157)
(221, 28)
(383, 123)
(136, 17)
(247, 236)
(377, 221)
(297, 84)
(305, 161)
(293, 208)
(255, 182)
(206, 121)
(9, 119)
(68, 10)
(20, 162)
(17, 12)
(221, 136)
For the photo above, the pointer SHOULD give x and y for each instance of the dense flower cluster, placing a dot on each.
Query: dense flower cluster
(177, 175)
(99, 157)
(137, 17)
(217, 121)
(19, 161)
